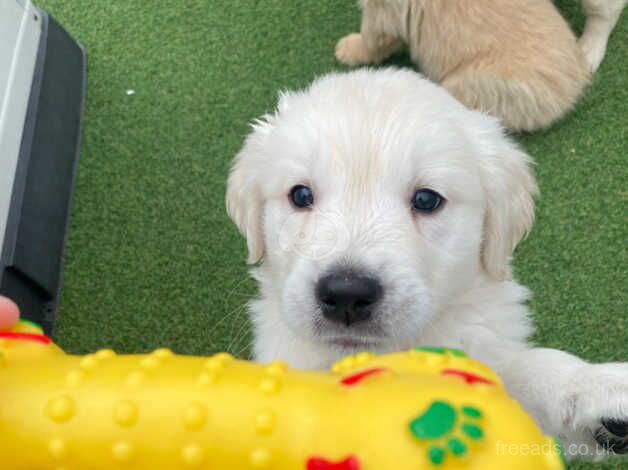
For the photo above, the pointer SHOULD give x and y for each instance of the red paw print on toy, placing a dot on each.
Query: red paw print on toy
(319, 463)
(468, 377)
(358, 377)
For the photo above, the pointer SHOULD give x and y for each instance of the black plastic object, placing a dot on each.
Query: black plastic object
(31, 260)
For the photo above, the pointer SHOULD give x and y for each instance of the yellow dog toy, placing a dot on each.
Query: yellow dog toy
(428, 408)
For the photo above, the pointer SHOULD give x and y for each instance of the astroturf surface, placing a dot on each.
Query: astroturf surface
(152, 259)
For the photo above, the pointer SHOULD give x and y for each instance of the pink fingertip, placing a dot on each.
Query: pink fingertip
(9, 313)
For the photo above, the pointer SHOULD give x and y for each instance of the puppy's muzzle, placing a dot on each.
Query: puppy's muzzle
(347, 297)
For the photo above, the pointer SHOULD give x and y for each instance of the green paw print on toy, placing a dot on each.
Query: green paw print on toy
(447, 430)
(442, 351)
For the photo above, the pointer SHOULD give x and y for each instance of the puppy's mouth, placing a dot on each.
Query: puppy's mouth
(350, 342)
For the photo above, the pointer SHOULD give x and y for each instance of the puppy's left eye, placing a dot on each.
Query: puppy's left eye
(426, 200)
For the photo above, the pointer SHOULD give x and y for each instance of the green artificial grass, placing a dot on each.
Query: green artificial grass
(152, 259)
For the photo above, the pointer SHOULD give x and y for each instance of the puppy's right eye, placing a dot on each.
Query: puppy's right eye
(301, 196)
(426, 200)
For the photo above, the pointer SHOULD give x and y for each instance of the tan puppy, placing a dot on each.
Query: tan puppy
(515, 59)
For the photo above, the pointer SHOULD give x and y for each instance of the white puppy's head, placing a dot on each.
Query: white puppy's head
(371, 200)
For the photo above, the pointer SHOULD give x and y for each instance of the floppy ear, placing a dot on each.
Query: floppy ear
(510, 189)
(244, 198)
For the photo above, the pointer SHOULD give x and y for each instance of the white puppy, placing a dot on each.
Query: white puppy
(382, 215)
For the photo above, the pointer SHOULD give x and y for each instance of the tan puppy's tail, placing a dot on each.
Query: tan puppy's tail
(602, 16)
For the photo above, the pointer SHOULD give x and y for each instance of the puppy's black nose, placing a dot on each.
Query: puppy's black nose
(346, 297)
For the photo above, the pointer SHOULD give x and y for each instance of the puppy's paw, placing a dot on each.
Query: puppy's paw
(602, 16)
(597, 402)
(594, 48)
(612, 435)
(351, 50)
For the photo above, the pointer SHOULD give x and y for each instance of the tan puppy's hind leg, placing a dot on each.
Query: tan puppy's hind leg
(378, 38)
(353, 49)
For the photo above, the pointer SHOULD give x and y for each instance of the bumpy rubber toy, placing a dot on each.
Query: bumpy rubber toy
(428, 408)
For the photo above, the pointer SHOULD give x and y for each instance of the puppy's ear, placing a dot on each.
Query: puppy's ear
(244, 197)
(510, 189)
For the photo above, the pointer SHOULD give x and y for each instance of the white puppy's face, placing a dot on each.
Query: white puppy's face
(374, 199)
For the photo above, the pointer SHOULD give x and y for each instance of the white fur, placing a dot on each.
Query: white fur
(364, 142)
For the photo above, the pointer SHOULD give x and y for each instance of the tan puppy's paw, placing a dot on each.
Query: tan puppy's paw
(602, 16)
(351, 50)
(594, 48)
